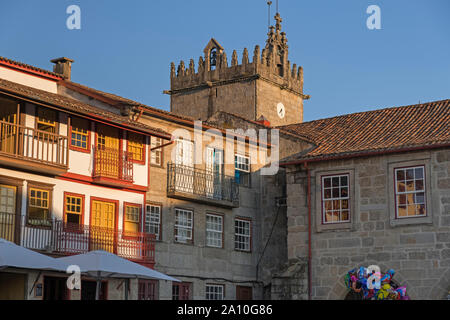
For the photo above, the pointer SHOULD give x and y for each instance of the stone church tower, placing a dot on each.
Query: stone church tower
(268, 87)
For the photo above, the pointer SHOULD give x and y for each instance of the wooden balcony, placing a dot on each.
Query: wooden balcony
(58, 238)
(31, 149)
(193, 184)
(112, 167)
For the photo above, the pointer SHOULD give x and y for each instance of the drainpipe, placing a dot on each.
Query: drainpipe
(309, 233)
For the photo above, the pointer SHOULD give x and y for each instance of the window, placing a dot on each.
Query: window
(136, 146)
(181, 291)
(131, 218)
(242, 235)
(7, 211)
(214, 230)
(184, 152)
(39, 206)
(46, 120)
(73, 208)
(148, 290)
(156, 155)
(214, 292)
(153, 220)
(410, 192)
(242, 170)
(183, 226)
(80, 138)
(335, 199)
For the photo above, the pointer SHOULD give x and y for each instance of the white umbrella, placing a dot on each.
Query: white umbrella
(14, 256)
(101, 264)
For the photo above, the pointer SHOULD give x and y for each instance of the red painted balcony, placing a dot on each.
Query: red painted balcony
(112, 167)
(56, 237)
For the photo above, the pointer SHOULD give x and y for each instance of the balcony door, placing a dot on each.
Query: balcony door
(103, 223)
(214, 173)
(108, 152)
(184, 160)
(7, 212)
(8, 122)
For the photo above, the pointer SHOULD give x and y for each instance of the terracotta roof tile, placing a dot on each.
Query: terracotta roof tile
(421, 125)
(29, 67)
(77, 106)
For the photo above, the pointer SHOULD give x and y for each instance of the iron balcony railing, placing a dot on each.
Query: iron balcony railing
(31, 144)
(57, 237)
(205, 185)
(112, 163)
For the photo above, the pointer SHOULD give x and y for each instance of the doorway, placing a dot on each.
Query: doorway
(88, 290)
(55, 288)
(8, 212)
(12, 286)
(244, 293)
(8, 122)
(108, 152)
(103, 222)
(214, 175)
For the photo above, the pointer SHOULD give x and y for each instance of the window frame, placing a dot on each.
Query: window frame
(221, 216)
(348, 198)
(403, 161)
(222, 286)
(424, 191)
(248, 171)
(88, 134)
(18, 183)
(181, 285)
(131, 234)
(250, 237)
(160, 150)
(316, 199)
(158, 205)
(38, 122)
(82, 214)
(144, 146)
(42, 187)
(191, 240)
(146, 283)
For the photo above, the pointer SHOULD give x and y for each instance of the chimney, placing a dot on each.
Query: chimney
(63, 66)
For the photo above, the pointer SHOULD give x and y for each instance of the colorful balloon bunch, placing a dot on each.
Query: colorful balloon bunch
(365, 286)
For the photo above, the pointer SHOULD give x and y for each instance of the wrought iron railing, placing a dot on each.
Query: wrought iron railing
(113, 163)
(57, 237)
(203, 183)
(32, 144)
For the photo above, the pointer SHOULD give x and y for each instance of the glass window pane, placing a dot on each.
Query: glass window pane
(419, 173)
(335, 181)
(409, 174)
(400, 175)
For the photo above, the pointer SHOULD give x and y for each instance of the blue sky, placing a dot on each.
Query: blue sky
(125, 47)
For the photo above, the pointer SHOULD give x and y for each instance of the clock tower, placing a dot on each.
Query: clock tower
(267, 87)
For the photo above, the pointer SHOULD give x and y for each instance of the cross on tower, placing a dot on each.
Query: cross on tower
(278, 20)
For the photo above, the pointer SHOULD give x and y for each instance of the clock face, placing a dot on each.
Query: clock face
(281, 111)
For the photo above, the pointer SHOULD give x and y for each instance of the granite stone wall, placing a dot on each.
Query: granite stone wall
(417, 248)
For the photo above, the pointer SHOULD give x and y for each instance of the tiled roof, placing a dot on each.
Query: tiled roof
(28, 67)
(384, 130)
(118, 100)
(114, 98)
(76, 106)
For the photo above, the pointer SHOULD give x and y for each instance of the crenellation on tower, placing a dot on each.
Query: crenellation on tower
(271, 65)
(234, 59)
(245, 60)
